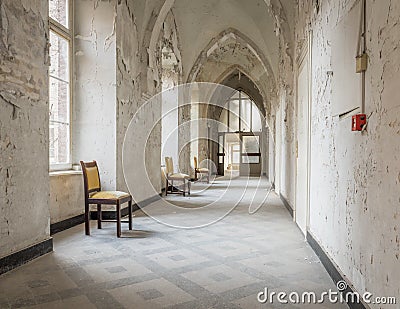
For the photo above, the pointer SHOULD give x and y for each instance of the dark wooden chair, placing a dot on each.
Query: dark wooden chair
(94, 195)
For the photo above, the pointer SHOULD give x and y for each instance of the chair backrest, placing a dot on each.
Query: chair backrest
(196, 166)
(91, 177)
(169, 165)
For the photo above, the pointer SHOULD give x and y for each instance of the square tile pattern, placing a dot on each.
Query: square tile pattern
(223, 265)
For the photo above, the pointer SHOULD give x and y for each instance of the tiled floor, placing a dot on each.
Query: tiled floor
(221, 265)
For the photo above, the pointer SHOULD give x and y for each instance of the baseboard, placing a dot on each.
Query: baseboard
(66, 224)
(110, 214)
(23, 256)
(333, 270)
(287, 205)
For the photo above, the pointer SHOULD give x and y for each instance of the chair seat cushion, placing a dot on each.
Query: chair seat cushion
(203, 170)
(178, 176)
(109, 195)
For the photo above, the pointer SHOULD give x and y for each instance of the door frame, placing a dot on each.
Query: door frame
(221, 165)
(255, 154)
(306, 53)
(221, 146)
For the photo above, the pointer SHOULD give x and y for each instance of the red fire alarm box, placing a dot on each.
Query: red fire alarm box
(358, 122)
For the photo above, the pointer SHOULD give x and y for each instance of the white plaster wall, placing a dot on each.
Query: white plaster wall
(278, 151)
(288, 151)
(94, 105)
(355, 178)
(24, 154)
(170, 126)
(66, 196)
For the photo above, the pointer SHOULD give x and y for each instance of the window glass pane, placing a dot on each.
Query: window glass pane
(234, 116)
(251, 144)
(59, 51)
(59, 100)
(243, 95)
(58, 10)
(223, 121)
(256, 119)
(235, 157)
(236, 95)
(220, 143)
(59, 143)
(245, 115)
(250, 159)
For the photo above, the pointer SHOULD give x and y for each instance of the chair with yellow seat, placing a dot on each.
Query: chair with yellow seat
(200, 170)
(94, 195)
(171, 176)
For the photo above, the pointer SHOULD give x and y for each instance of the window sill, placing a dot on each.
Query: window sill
(65, 173)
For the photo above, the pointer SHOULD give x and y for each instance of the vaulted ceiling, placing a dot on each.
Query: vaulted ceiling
(198, 22)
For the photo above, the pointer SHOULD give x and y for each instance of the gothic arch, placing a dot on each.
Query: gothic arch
(232, 50)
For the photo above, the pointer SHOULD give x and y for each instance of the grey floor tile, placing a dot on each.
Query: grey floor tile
(222, 265)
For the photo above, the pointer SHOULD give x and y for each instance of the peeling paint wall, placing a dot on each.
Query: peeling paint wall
(94, 104)
(130, 85)
(128, 77)
(355, 213)
(24, 154)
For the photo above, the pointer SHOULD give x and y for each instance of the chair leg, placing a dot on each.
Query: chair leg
(87, 219)
(118, 219)
(184, 187)
(189, 184)
(195, 175)
(99, 216)
(130, 214)
(166, 187)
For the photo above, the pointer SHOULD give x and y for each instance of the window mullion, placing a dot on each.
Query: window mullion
(240, 107)
(59, 29)
(59, 79)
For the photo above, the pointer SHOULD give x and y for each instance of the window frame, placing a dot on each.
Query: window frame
(67, 34)
(242, 96)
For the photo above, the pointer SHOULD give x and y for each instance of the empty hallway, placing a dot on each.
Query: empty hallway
(253, 143)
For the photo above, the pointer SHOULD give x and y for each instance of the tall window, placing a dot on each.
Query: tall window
(240, 114)
(60, 84)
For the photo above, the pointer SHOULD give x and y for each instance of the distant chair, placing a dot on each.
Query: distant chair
(94, 195)
(200, 170)
(170, 177)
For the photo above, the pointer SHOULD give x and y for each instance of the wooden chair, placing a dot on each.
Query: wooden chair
(170, 177)
(94, 195)
(200, 170)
